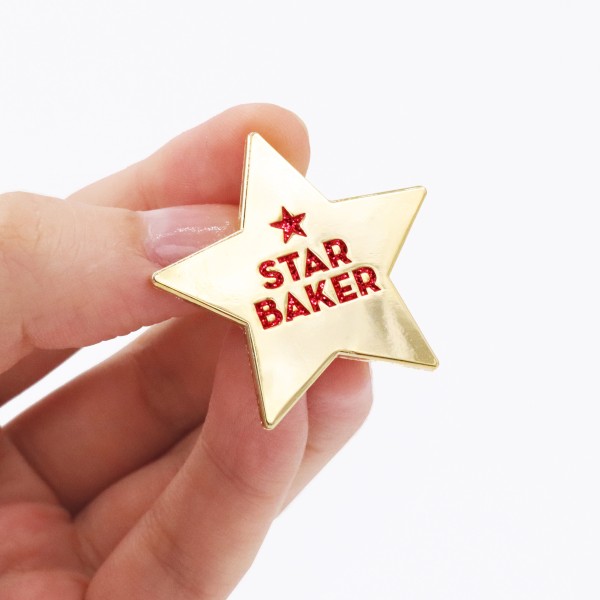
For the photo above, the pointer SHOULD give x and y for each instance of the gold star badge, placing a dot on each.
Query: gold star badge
(318, 291)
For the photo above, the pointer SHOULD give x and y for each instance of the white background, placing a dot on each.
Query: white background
(479, 480)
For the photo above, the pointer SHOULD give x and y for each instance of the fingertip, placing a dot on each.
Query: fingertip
(204, 164)
(281, 127)
(233, 429)
(345, 377)
(339, 401)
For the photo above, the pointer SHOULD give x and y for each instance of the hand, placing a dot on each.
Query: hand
(149, 476)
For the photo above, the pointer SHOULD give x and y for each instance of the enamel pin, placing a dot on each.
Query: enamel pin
(307, 277)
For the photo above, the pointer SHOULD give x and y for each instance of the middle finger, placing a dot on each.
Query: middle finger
(124, 412)
(336, 406)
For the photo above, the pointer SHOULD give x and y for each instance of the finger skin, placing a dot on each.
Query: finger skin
(43, 585)
(108, 518)
(102, 285)
(18, 480)
(123, 413)
(71, 275)
(338, 403)
(38, 559)
(204, 164)
(203, 532)
(336, 409)
(260, 482)
(30, 369)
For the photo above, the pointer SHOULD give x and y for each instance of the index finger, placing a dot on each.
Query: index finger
(204, 164)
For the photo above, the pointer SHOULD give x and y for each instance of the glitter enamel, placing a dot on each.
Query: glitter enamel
(344, 293)
(295, 308)
(266, 270)
(289, 260)
(316, 296)
(365, 284)
(268, 313)
(313, 264)
(340, 255)
(289, 224)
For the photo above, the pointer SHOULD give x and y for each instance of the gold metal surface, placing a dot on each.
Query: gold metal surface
(363, 322)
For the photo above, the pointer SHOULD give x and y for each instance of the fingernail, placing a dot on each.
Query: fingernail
(178, 231)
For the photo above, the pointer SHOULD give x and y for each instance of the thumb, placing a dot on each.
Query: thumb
(74, 274)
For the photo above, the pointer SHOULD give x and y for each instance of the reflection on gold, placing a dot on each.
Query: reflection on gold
(291, 238)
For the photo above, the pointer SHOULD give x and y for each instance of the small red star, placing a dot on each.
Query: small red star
(289, 224)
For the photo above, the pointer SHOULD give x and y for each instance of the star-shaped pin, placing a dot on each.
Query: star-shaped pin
(290, 224)
(324, 294)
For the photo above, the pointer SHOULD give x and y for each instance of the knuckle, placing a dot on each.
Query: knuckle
(253, 489)
(19, 223)
(20, 236)
(167, 552)
(165, 399)
(335, 419)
